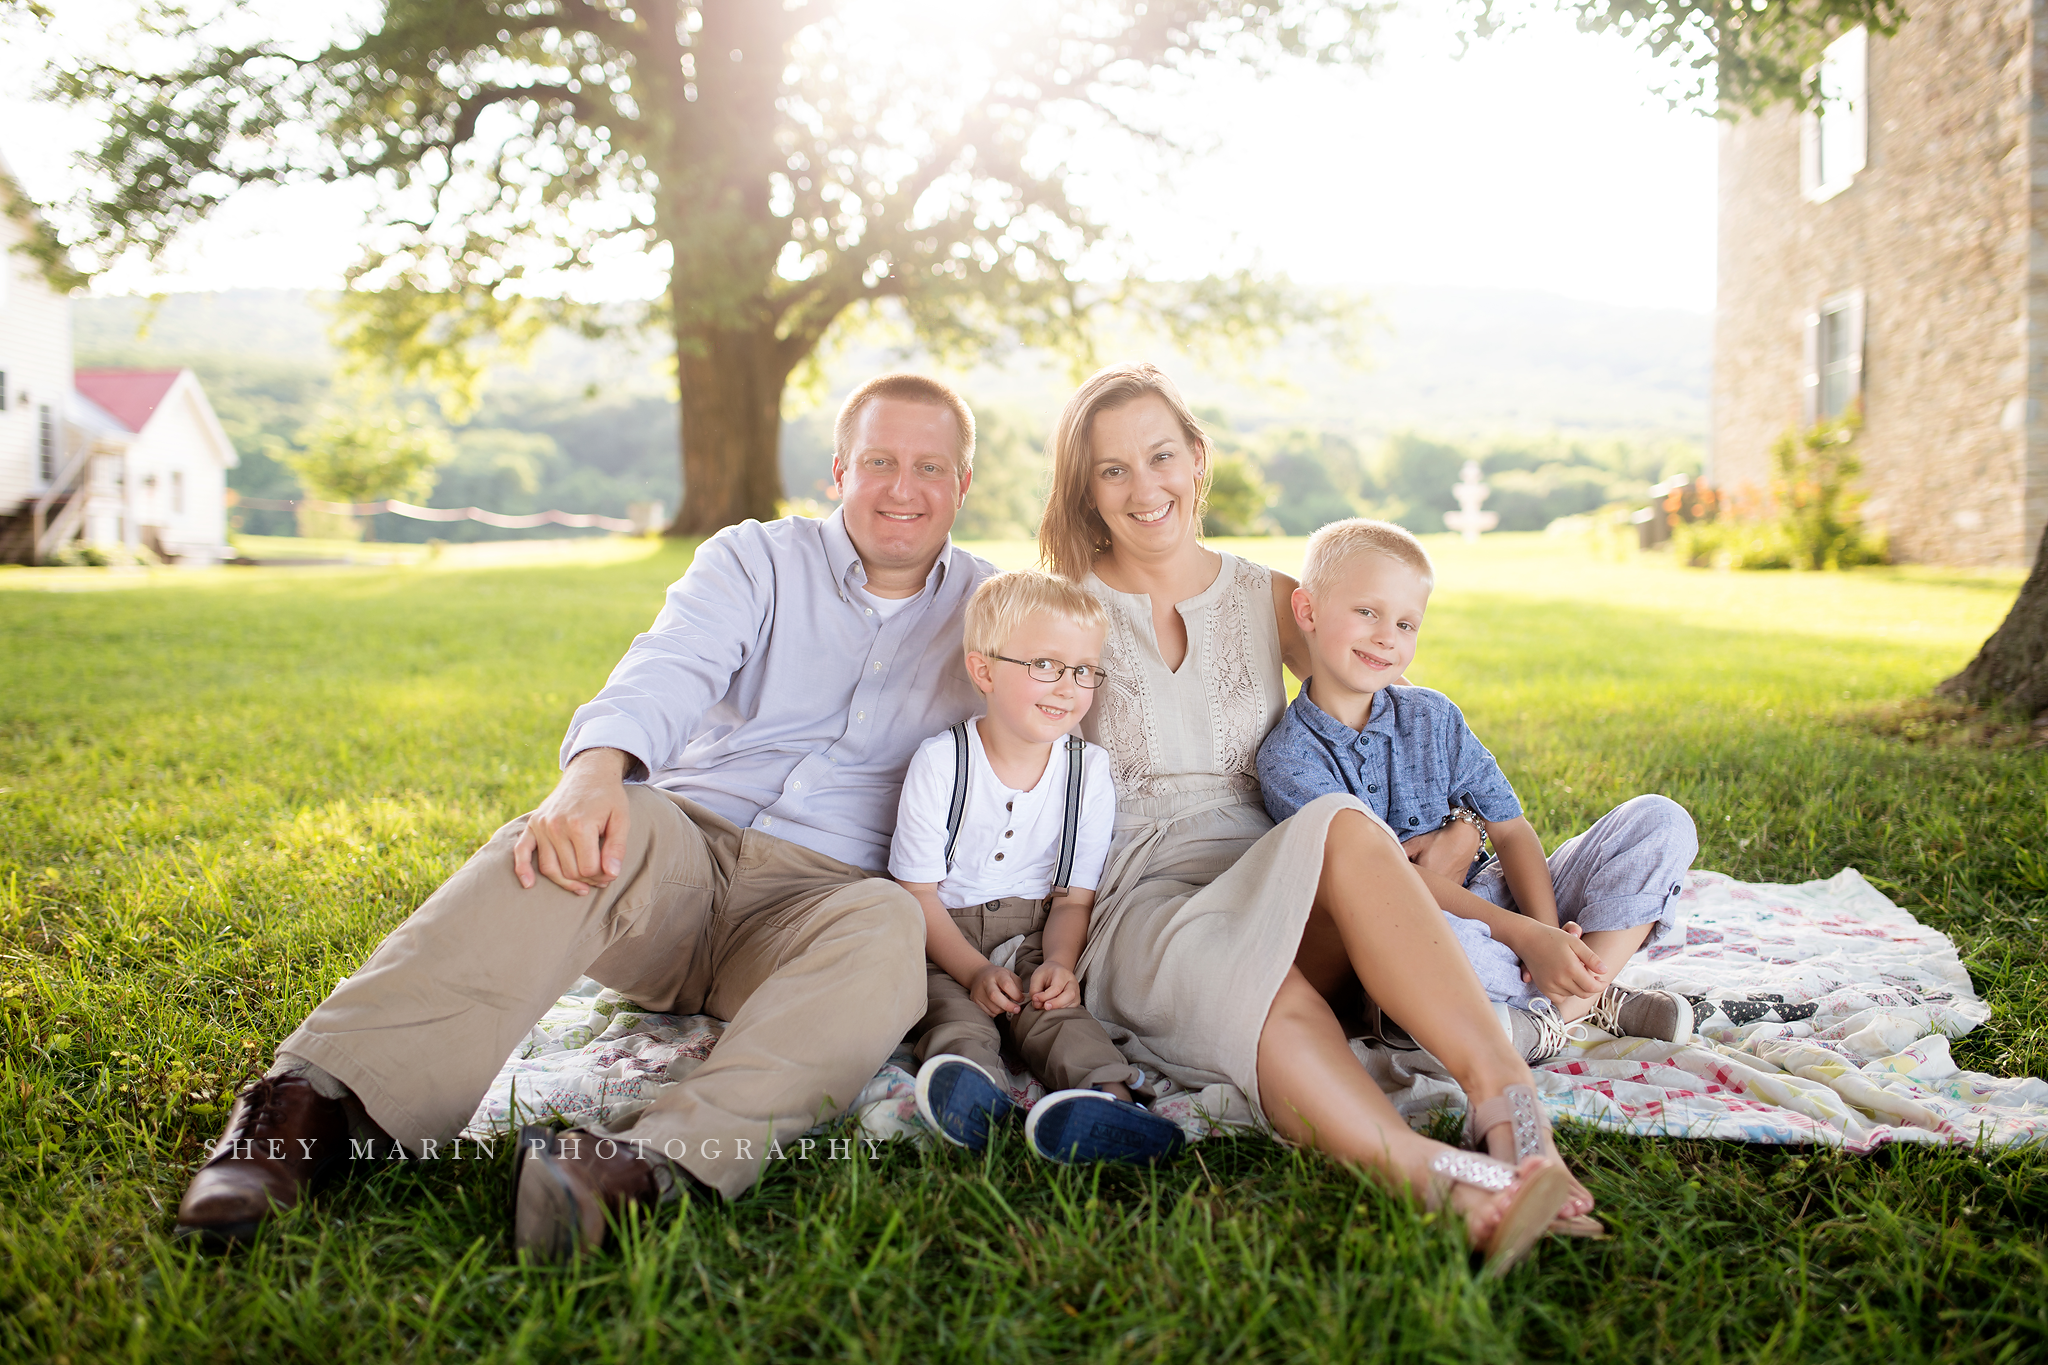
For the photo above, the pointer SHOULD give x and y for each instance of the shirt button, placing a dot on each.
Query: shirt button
(1009, 805)
(999, 857)
(766, 821)
(1008, 832)
(878, 665)
(860, 715)
(1413, 820)
(1372, 786)
(797, 785)
(870, 611)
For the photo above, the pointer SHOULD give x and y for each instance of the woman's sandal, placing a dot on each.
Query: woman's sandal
(1539, 1197)
(1518, 1107)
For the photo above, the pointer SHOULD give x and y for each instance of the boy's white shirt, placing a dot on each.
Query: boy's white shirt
(1031, 848)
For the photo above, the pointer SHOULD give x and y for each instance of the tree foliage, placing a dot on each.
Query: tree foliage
(353, 456)
(792, 162)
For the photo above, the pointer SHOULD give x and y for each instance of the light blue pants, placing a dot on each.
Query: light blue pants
(1626, 870)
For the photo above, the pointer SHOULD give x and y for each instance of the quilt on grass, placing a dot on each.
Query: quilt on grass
(1825, 1014)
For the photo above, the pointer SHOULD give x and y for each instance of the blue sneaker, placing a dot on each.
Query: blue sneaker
(1093, 1125)
(960, 1101)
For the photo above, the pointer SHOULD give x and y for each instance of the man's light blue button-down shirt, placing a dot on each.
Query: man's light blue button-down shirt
(770, 689)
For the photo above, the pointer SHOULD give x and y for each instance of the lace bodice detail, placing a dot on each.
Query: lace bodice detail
(1191, 733)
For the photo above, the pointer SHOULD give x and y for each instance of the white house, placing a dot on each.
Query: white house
(131, 457)
(176, 461)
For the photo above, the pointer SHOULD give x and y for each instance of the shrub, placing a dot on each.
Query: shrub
(1816, 503)
(1238, 499)
(1812, 523)
(82, 554)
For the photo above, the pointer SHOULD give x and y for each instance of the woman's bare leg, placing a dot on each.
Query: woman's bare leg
(1374, 916)
(1315, 1093)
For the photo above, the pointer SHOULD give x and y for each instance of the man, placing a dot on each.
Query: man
(716, 844)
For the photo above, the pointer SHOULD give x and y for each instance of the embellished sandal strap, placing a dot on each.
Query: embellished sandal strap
(1518, 1107)
(1474, 1168)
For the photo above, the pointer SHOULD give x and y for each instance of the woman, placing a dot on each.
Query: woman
(1220, 940)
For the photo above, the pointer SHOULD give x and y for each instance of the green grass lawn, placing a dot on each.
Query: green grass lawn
(217, 791)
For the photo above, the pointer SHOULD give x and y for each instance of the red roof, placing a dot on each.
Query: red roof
(129, 395)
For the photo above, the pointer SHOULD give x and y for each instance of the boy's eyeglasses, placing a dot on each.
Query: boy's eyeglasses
(1090, 676)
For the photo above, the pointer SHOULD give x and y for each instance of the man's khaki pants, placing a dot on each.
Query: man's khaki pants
(1065, 1049)
(817, 966)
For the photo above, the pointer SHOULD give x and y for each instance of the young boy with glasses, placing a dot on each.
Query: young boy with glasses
(1001, 833)
(1544, 935)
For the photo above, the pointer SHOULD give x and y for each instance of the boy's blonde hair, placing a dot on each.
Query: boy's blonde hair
(1001, 603)
(1335, 545)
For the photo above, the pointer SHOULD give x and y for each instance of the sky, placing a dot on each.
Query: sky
(1541, 160)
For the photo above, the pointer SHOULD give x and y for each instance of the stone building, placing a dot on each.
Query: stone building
(1889, 251)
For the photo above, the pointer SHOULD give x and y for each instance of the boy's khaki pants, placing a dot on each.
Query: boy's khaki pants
(817, 966)
(1064, 1049)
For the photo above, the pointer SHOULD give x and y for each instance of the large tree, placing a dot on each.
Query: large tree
(795, 159)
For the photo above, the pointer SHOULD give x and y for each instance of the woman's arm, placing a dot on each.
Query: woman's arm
(1293, 644)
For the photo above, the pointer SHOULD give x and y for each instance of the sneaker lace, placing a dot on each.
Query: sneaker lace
(1606, 1011)
(1553, 1033)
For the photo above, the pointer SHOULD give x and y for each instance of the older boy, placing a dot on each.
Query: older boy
(1544, 935)
(1001, 834)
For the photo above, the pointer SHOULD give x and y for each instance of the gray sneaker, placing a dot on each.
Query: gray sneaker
(1662, 1016)
(1538, 1035)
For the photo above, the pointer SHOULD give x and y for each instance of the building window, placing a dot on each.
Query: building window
(1834, 139)
(46, 443)
(1834, 356)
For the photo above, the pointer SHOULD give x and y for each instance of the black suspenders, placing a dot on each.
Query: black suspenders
(1070, 817)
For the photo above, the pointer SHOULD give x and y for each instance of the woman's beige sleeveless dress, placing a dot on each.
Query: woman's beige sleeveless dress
(1203, 900)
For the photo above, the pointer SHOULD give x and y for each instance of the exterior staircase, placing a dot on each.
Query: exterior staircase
(37, 528)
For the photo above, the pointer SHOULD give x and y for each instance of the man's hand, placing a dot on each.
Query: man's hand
(1558, 961)
(1053, 988)
(579, 832)
(1448, 852)
(997, 990)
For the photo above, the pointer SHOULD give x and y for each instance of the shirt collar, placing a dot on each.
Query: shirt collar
(841, 555)
(1336, 731)
(1385, 718)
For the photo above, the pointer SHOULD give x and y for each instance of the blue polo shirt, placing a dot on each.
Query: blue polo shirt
(1413, 762)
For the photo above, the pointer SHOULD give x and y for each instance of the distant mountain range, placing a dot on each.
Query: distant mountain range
(1451, 362)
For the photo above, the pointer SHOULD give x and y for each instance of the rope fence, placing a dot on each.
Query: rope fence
(405, 509)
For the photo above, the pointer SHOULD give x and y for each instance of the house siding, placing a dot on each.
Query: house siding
(1939, 232)
(177, 440)
(35, 353)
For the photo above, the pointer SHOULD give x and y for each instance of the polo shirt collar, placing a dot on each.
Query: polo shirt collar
(1336, 731)
(1385, 714)
(841, 554)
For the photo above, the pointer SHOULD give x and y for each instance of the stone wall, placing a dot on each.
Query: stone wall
(1937, 230)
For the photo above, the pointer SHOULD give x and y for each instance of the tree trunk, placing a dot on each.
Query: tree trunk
(2011, 670)
(731, 383)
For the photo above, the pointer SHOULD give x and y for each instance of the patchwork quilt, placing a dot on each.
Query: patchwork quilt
(1824, 1017)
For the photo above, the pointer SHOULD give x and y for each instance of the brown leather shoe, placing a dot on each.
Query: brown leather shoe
(567, 1183)
(281, 1136)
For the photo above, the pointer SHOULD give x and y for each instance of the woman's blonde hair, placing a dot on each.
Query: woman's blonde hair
(1001, 603)
(1072, 532)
